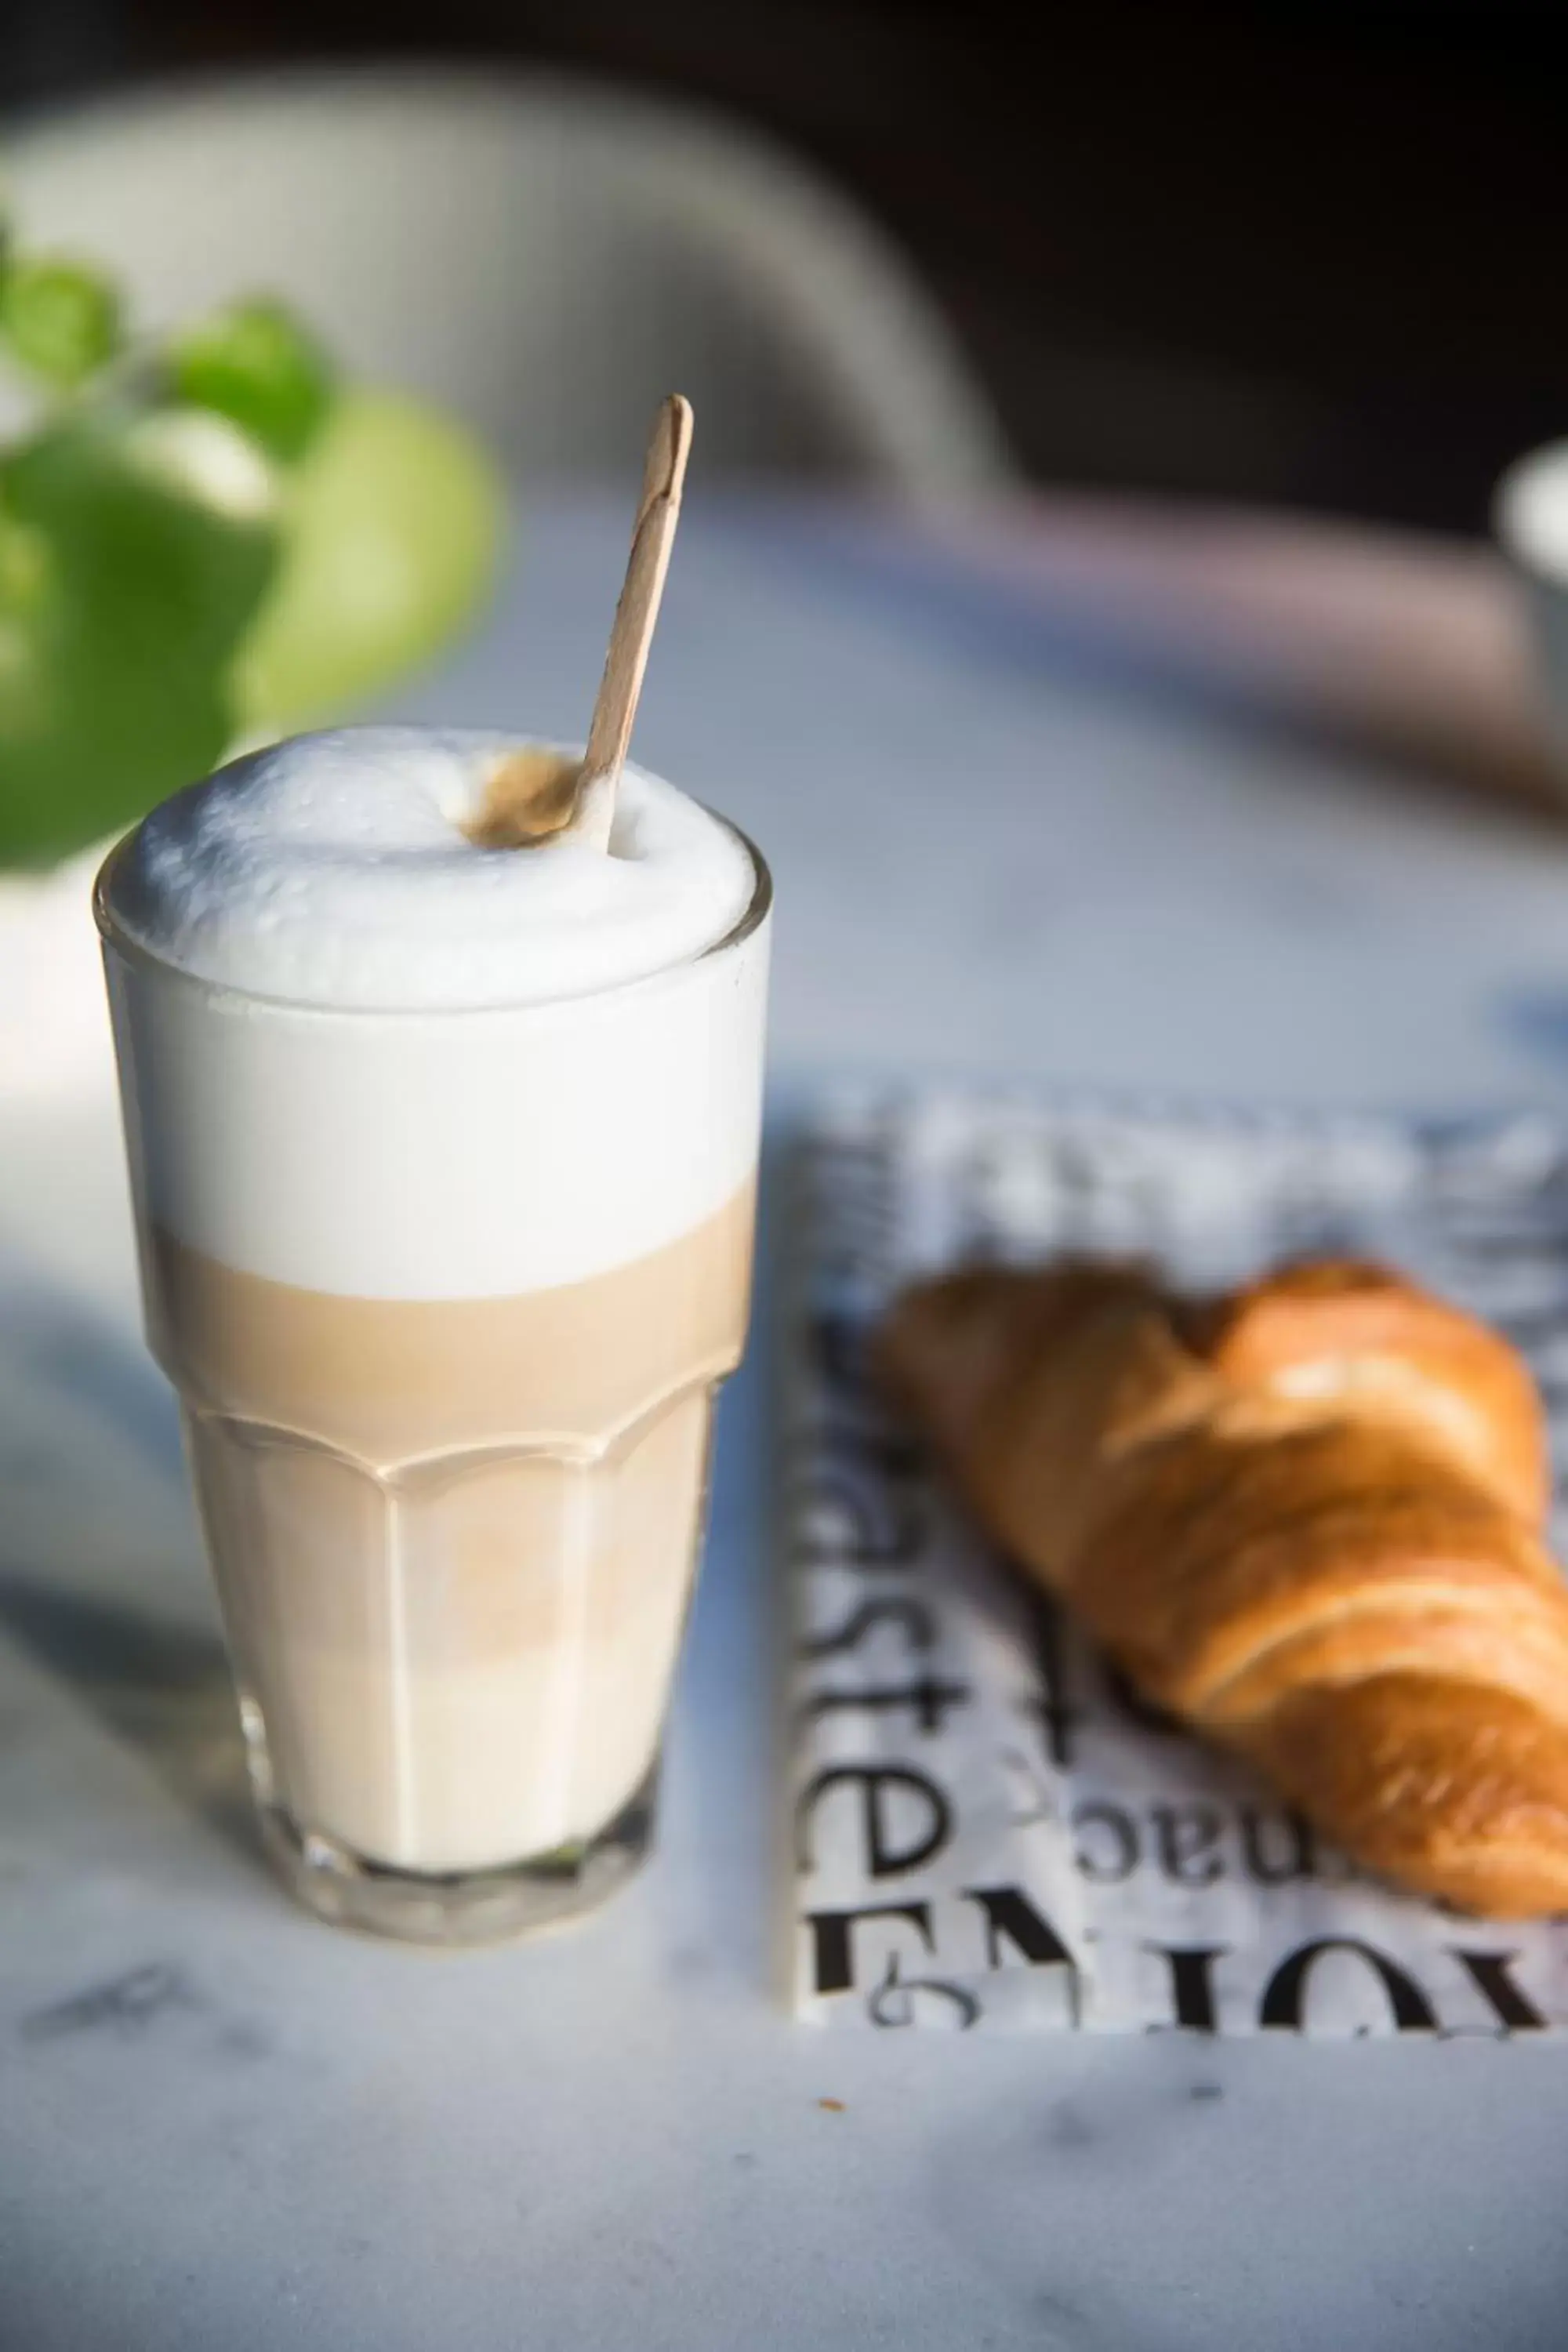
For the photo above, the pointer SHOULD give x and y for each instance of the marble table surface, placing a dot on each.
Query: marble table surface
(1003, 845)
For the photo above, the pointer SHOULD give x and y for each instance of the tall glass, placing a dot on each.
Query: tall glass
(447, 1297)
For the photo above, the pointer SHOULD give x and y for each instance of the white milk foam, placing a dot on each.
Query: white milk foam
(449, 1147)
(333, 870)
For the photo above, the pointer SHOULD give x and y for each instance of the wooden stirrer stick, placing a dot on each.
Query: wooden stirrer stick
(636, 616)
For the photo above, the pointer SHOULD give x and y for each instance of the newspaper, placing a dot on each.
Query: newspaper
(991, 1829)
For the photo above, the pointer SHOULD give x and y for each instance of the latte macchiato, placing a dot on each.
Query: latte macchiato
(444, 1158)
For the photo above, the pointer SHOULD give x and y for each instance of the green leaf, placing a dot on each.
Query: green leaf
(257, 364)
(61, 317)
(134, 552)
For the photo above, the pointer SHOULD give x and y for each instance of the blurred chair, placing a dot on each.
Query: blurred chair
(545, 257)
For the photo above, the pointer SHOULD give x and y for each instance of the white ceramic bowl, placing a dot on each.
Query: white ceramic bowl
(1529, 516)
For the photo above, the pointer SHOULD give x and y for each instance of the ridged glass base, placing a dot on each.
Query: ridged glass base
(478, 1906)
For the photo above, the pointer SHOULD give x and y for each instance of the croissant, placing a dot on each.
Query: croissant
(1306, 1517)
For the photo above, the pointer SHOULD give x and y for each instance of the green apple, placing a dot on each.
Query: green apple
(392, 528)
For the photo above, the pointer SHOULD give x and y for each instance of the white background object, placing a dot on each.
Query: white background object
(547, 257)
(1531, 516)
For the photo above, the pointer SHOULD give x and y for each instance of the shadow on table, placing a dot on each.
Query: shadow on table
(95, 1497)
(1388, 652)
(160, 1688)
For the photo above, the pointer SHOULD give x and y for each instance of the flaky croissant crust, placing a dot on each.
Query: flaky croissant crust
(1306, 1517)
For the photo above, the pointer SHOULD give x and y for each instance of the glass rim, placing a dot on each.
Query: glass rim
(136, 952)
